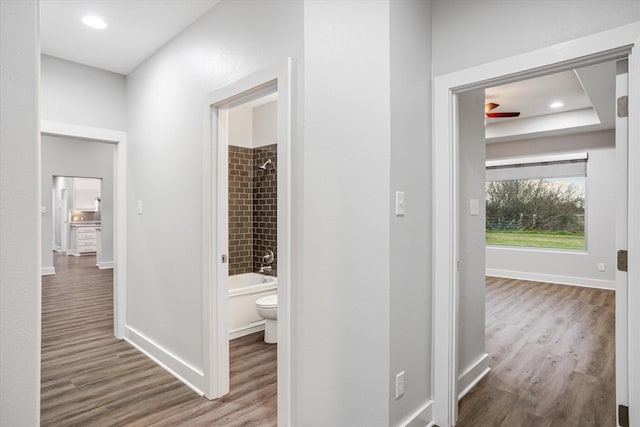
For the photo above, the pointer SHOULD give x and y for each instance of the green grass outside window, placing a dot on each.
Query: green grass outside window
(536, 239)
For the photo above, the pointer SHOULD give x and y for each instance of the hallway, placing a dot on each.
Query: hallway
(91, 378)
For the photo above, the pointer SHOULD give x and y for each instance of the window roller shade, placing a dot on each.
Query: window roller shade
(568, 167)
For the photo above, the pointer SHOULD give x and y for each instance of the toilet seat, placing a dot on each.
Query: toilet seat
(270, 301)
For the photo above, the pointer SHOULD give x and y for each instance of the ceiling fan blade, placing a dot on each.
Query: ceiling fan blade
(490, 106)
(506, 114)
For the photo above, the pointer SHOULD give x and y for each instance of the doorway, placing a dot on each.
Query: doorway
(275, 79)
(606, 46)
(118, 142)
(550, 217)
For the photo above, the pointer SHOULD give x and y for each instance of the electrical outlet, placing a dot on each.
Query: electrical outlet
(601, 266)
(399, 385)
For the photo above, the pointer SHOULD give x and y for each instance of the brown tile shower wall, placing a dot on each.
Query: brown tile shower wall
(240, 210)
(253, 206)
(265, 206)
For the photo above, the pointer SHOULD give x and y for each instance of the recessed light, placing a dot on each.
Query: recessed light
(556, 104)
(94, 22)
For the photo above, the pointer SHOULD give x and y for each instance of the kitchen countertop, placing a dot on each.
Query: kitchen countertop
(85, 224)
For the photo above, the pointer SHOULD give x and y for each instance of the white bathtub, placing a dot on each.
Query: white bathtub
(244, 290)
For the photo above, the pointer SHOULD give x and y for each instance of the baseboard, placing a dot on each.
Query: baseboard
(189, 375)
(477, 371)
(246, 330)
(104, 265)
(46, 271)
(57, 249)
(423, 417)
(552, 278)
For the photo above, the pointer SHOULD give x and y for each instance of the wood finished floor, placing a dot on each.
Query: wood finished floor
(551, 351)
(89, 378)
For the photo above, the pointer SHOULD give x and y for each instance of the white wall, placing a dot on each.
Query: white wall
(19, 215)
(410, 267)
(253, 127)
(77, 158)
(241, 127)
(567, 266)
(344, 352)
(165, 97)
(82, 95)
(265, 120)
(468, 33)
(471, 313)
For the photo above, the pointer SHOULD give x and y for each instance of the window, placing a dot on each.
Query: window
(537, 202)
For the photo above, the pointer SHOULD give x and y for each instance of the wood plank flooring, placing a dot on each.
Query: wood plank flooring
(89, 378)
(552, 357)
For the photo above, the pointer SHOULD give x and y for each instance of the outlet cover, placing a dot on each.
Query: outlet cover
(399, 385)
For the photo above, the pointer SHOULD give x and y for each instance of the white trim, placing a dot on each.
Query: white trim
(537, 159)
(633, 275)
(215, 299)
(171, 363)
(246, 330)
(552, 278)
(47, 271)
(596, 48)
(118, 138)
(621, 242)
(422, 417)
(472, 376)
(105, 265)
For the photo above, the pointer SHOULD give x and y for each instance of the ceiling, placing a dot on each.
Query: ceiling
(588, 95)
(136, 29)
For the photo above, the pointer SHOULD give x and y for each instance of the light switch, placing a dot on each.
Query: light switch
(399, 203)
(44, 210)
(139, 207)
(474, 207)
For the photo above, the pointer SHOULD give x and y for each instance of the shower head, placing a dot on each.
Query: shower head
(265, 165)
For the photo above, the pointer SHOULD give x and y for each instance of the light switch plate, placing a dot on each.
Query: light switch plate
(474, 207)
(139, 207)
(399, 203)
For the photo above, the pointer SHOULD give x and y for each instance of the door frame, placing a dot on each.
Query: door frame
(63, 223)
(608, 45)
(214, 290)
(119, 139)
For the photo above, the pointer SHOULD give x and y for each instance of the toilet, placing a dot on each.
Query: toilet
(267, 308)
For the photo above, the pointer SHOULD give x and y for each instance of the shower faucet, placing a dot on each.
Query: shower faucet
(268, 257)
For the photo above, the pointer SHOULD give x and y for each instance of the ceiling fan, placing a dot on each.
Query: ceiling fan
(489, 106)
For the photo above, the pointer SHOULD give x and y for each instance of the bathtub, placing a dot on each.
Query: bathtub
(244, 290)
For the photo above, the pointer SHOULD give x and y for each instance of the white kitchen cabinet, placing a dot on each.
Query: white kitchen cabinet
(84, 240)
(85, 193)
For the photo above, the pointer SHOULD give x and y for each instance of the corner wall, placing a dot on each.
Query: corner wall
(19, 214)
(410, 246)
(342, 347)
(472, 357)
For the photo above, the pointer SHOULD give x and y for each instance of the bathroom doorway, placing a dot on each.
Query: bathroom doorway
(248, 221)
(252, 163)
